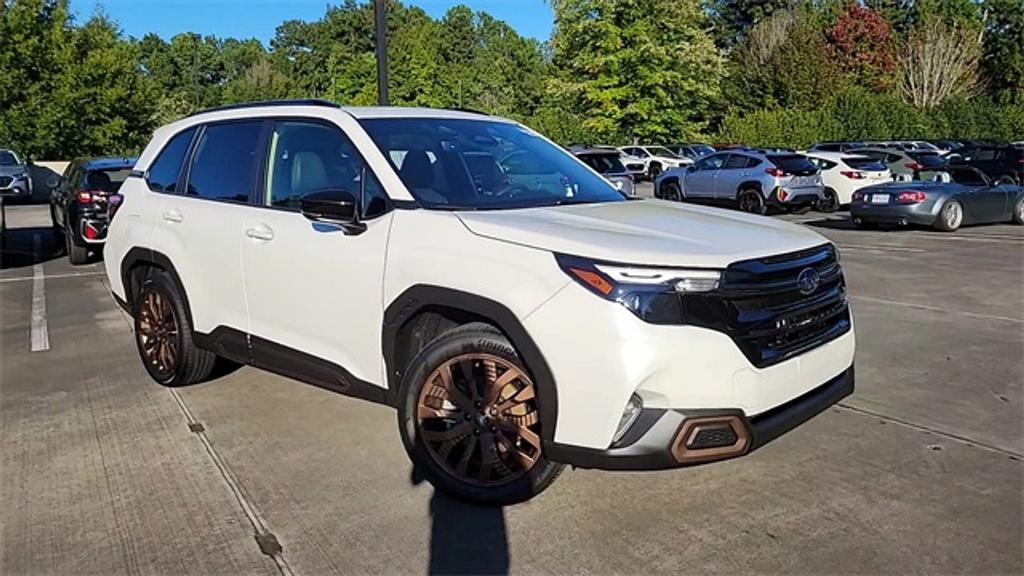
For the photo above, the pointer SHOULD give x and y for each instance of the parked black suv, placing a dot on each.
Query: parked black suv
(78, 206)
(998, 162)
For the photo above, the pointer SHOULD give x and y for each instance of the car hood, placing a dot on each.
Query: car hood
(652, 232)
(12, 170)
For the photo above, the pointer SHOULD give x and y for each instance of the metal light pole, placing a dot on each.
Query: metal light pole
(380, 12)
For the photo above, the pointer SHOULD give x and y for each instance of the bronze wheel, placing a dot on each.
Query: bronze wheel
(158, 333)
(477, 415)
(469, 412)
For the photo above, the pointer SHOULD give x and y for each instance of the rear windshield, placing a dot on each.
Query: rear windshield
(927, 159)
(604, 163)
(106, 180)
(866, 164)
(794, 164)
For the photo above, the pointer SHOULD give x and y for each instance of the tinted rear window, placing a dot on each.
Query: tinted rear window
(867, 164)
(794, 164)
(106, 180)
(927, 159)
(163, 173)
(604, 163)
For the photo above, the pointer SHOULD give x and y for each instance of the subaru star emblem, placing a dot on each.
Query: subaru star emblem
(808, 281)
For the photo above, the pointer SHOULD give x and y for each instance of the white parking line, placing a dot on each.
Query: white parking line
(51, 277)
(937, 309)
(861, 248)
(40, 332)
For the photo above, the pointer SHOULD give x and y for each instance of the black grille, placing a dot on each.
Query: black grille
(5, 181)
(761, 306)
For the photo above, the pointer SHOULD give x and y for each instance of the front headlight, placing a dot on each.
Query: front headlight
(21, 176)
(654, 294)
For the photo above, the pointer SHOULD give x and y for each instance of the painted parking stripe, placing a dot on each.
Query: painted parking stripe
(40, 332)
(51, 277)
(937, 309)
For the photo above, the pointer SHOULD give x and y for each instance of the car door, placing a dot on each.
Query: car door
(64, 193)
(199, 226)
(700, 178)
(734, 172)
(982, 201)
(315, 290)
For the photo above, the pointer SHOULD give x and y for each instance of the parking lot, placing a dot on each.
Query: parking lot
(920, 471)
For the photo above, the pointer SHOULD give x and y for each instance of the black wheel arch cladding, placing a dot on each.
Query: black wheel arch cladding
(421, 296)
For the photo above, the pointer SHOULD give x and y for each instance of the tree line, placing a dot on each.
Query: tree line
(765, 72)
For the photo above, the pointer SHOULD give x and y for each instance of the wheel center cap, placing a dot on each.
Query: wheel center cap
(480, 419)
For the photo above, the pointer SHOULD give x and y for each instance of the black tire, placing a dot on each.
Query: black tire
(862, 224)
(77, 254)
(1018, 211)
(751, 201)
(58, 232)
(828, 204)
(190, 364)
(670, 191)
(951, 216)
(445, 350)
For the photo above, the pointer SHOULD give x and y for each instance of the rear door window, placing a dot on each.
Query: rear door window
(793, 164)
(735, 161)
(224, 166)
(164, 171)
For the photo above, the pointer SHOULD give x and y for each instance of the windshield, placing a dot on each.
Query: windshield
(458, 164)
(663, 152)
(7, 158)
(866, 164)
(927, 159)
(604, 163)
(794, 164)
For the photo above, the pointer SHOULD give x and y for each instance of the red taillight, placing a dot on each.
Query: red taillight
(910, 197)
(852, 175)
(84, 196)
(777, 172)
(781, 194)
(90, 232)
(914, 166)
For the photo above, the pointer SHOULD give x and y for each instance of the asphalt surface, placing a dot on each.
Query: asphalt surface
(920, 471)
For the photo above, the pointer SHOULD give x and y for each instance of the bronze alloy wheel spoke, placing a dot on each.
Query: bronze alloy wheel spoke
(158, 332)
(477, 417)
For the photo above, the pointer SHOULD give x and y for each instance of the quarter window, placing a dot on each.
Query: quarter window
(225, 162)
(308, 157)
(163, 173)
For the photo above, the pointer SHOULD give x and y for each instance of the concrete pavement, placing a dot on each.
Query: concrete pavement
(920, 471)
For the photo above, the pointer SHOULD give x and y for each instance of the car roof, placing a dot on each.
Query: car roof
(109, 162)
(833, 155)
(593, 150)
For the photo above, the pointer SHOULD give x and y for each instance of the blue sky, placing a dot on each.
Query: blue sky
(259, 18)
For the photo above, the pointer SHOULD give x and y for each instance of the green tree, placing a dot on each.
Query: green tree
(733, 19)
(1003, 47)
(635, 68)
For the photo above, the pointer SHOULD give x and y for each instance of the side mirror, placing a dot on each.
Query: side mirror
(335, 207)
(52, 181)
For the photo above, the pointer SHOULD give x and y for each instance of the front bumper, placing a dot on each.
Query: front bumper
(19, 189)
(661, 439)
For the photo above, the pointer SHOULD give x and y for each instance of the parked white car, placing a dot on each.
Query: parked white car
(843, 174)
(518, 311)
(655, 159)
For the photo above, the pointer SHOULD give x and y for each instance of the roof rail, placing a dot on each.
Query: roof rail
(260, 104)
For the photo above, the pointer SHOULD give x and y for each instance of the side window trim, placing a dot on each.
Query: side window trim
(186, 170)
(257, 199)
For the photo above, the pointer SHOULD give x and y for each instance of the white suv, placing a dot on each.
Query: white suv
(518, 311)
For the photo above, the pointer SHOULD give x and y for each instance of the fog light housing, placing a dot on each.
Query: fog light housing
(629, 416)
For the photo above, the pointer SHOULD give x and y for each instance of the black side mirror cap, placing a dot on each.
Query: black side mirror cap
(336, 207)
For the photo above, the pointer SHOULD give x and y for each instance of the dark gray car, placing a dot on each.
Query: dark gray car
(15, 180)
(963, 195)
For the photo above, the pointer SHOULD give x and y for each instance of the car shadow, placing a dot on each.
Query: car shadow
(465, 538)
(26, 247)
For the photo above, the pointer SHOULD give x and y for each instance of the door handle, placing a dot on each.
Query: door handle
(260, 232)
(173, 216)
